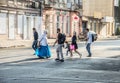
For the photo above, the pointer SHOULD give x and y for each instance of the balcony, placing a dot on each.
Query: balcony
(49, 3)
(3, 2)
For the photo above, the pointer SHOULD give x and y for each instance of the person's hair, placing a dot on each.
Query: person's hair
(74, 33)
(58, 29)
(87, 29)
(34, 28)
(66, 42)
(45, 31)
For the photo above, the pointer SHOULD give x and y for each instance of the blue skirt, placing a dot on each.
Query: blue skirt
(43, 52)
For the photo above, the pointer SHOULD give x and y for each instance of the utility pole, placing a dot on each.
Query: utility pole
(41, 6)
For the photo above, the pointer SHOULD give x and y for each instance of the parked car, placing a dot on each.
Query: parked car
(83, 35)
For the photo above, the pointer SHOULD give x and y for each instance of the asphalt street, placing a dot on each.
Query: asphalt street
(18, 65)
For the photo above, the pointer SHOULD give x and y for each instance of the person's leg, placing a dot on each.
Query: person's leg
(67, 52)
(88, 49)
(78, 53)
(36, 44)
(33, 45)
(71, 54)
(61, 52)
(57, 51)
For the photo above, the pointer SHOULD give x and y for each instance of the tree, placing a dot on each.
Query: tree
(118, 31)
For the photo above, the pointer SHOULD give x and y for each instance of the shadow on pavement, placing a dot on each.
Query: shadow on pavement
(114, 49)
(25, 60)
(118, 56)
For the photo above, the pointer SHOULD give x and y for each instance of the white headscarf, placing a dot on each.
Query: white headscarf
(43, 38)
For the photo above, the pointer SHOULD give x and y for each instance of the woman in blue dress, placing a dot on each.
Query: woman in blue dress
(43, 50)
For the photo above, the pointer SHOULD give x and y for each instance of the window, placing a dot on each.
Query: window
(72, 1)
(60, 1)
(58, 19)
(62, 23)
(3, 23)
(20, 24)
(67, 24)
(99, 26)
(3, 2)
(91, 26)
(95, 27)
(68, 5)
(68, 1)
(76, 1)
(65, 1)
(11, 3)
(80, 2)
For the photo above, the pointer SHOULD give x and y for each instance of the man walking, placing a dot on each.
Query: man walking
(59, 46)
(35, 35)
(89, 42)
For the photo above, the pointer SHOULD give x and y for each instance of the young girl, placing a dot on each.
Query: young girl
(67, 47)
(74, 43)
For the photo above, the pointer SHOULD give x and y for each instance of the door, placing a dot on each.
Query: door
(25, 28)
(84, 25)
(20, 25)
(28, 25)
(38, 25)
(104, 30)
(3, 23)
(11, 34)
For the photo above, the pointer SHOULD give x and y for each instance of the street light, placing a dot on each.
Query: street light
(41, 2)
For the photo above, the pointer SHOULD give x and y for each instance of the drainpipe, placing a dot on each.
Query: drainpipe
(41, 2)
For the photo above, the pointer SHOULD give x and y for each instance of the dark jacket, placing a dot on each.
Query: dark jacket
(35, 35)
(59, 38)
(74, 39)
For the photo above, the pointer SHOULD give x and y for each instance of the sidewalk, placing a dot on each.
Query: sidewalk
(28, 43)
(20, 66)
(109, 38)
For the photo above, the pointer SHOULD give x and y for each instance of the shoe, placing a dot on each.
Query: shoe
(48, 57)
(80, 55)
(34, 54)
(62, 60)
(57, 59)
(88, 56)
(41, 57)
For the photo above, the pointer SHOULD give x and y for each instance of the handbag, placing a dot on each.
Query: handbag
(72, 47)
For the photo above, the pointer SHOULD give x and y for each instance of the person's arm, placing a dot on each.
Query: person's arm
(86, 37)
(38, 44)
(55, 42)
(39, 40)
(74, 39)
(37, 35)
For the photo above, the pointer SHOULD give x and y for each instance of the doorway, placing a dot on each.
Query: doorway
(11, 26)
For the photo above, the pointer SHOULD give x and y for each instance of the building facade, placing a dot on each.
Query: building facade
(17, 18)
(117, 13)
(61, 14)
(99, 16)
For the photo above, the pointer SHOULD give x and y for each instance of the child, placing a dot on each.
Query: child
(67, 47)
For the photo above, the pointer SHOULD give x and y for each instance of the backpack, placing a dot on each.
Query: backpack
(93, 39)
(62, 38)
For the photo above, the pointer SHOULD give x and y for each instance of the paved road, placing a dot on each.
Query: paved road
(20, 66)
